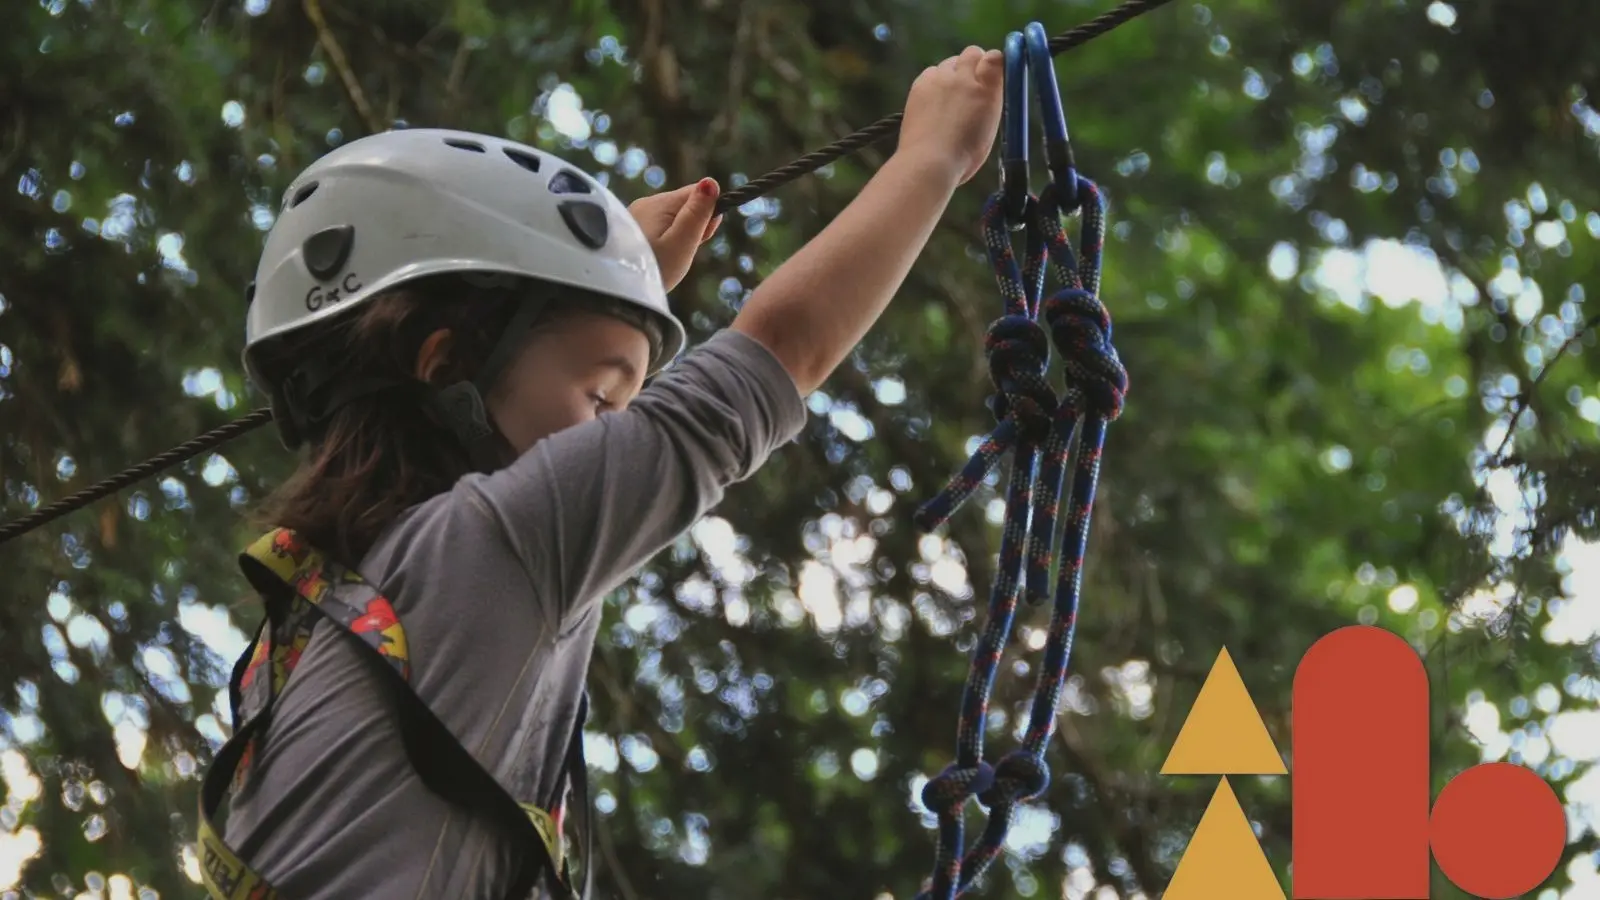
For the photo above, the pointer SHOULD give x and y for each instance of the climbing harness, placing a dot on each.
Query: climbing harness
(750, 190)
(1036, 427)
(300, 587)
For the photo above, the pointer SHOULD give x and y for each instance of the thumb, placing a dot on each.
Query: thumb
(693, 217)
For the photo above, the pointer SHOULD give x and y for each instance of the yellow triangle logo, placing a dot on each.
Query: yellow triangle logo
(1224, 860)
(1223, 735)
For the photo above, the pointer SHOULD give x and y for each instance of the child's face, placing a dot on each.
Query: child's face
(567, 373)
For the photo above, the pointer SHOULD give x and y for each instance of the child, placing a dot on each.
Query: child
(459, 329)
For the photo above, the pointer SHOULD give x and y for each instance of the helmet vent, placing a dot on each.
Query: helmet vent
(474, 146)
(326, 252)
(586, 221)
(302, 195)
(522, 158)
(567, 181)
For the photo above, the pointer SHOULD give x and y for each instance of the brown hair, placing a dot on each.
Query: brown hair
(383, 453)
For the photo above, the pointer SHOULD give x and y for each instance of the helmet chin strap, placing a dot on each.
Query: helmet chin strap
(461, 405)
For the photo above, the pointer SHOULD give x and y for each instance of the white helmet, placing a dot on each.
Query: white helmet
(401, 205)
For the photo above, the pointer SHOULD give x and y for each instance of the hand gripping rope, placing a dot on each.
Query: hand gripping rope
(1037, 428)
(877, 131)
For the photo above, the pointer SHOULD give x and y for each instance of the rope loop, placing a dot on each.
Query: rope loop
(947, 792)
(1018, 776)
(1018, 349)
(1023, 404)
(1080, 326)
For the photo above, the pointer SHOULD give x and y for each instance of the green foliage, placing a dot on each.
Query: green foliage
(1304, 446)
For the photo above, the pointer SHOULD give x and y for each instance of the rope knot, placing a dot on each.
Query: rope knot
(1081, 329)
(1018, 775)
(1019, 353)
(946, 792)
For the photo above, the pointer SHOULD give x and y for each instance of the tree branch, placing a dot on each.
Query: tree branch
(341, 63)
(1525, 397)
(458, 72)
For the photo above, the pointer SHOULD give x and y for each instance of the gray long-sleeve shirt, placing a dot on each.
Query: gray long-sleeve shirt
(498, 584)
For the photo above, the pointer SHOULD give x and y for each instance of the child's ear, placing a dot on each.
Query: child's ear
(434, 354)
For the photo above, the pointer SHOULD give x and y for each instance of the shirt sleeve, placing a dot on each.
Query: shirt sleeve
(586, 507)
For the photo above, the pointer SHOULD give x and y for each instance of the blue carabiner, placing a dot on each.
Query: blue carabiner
(1014, 145)
(1057, 145)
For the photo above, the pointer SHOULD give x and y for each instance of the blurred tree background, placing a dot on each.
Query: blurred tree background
(1349, 252)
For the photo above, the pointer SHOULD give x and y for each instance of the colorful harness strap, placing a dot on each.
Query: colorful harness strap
(299, 586)
(1037, 427)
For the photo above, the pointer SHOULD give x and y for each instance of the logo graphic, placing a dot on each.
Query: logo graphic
(1363, 829)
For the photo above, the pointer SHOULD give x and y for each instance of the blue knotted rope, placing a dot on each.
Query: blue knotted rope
(1036, 427)
(1025, 408)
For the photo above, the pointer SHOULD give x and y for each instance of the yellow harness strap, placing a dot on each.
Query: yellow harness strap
(299, 586)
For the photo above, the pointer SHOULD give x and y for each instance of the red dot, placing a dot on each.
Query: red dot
(1498, 831)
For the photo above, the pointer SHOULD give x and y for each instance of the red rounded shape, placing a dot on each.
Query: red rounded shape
(1361, 785)
(1498, 831)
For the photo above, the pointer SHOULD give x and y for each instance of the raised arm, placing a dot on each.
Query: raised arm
(820, 303)
(587, 506)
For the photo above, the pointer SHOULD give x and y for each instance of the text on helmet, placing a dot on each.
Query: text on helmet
(319, 297)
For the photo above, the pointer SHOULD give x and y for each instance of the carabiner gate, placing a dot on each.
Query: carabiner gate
(1057, 144)
(1014, 140)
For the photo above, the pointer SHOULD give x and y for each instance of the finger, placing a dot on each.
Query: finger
(968, 60)
(711, 228)
(673, 200)
(991, 66)
(696, 213)
(950, 64)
